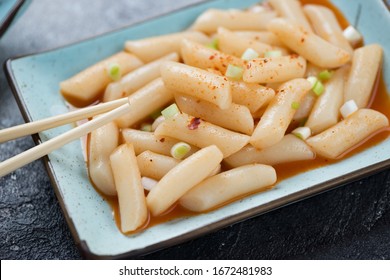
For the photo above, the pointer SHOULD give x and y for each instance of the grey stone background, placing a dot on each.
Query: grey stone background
(351, 222)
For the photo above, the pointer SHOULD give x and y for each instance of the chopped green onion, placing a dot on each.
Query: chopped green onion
(348, 108)
(234, 72)
(249, 54)
(303, 132)
(170, 111)
(213, 44)
(352, 35)
(325, 75)
(146, 127)
(313, 80)
(295, 105)
(276, 53)
(114, 71)
(180, 150)
(318, 88)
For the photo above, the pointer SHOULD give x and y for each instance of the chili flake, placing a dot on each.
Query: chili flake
(194, 123)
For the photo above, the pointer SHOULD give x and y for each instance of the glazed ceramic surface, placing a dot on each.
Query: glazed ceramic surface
(35, 81)
(10, 10)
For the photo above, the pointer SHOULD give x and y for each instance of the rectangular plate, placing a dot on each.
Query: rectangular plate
(35, 82)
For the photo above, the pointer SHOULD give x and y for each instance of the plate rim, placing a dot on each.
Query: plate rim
(10, 16)
(201, 231)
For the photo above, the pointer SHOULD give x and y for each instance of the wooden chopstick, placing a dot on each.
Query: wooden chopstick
(45, 148)
(44, 124)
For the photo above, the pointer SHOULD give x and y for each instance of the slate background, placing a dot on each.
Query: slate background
(350, 222)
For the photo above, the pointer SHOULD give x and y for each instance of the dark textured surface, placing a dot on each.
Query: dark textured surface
(351, 222)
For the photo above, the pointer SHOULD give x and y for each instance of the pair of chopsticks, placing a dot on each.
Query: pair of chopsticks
(112, 110)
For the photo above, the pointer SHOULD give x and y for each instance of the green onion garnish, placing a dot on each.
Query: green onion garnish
(318, 88)
(348, 108)
(114, 71)
(249, 54)
(313, 80)
(180, 150)
(295, 105)
(234, 72)
(276, 53)
(170, 111)
(146, 127)
(325, 75)
(352, 35)
(213, 44)
(302, 132)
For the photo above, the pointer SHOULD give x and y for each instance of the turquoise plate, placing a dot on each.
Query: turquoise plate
(35, 82)
(10, 10)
